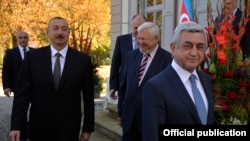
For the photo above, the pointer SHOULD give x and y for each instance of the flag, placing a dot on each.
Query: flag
(186, 11)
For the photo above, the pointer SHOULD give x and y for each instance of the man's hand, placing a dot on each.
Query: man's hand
(85, 136)
(7, 92)
(112, 94)
(14, 135)
(119, 121)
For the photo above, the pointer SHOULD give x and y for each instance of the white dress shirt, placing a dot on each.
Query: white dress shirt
(21, 50)
(150, 58)
(135, 43)
(184, 76)
(63, 53)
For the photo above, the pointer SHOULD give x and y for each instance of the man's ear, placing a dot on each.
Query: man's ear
(172, 47)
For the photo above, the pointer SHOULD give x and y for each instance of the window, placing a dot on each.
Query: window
(153, 12)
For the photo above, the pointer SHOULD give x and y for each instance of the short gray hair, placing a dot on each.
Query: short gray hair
(188, 26)
(152, 28)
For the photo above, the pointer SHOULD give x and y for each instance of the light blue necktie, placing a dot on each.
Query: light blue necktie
(136, 45)
(200, 106)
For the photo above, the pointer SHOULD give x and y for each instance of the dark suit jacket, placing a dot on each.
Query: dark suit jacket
(129, 102)
(166, 101)
(238, 14)
(123, 45)
(245, 42)
(236, 21)
(11, 65)
(54, 115)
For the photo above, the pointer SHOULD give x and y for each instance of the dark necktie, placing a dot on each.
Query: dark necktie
(142, 67)
(200, 106)
(57, 70)
(24, 52)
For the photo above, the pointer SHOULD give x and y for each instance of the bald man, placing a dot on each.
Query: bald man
(12, 62)
(124, 44)
(11, 65)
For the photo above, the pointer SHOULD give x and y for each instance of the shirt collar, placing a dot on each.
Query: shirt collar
(63, 52)
(151, 52)
(133, 38)
(234, 12)
(182, 73)
(21, 48)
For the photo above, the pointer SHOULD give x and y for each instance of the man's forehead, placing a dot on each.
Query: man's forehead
(22, 34)
(58, 22)
(229, 1)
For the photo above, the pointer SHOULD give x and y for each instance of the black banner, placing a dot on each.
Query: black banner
(195, 132)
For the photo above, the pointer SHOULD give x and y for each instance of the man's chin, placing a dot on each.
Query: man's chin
(192, 66)
(61, 43)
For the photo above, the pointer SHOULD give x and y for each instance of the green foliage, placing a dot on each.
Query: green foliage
(229, 72)
(227, 84)
(100, 54)
(98, 81)
(106, 61)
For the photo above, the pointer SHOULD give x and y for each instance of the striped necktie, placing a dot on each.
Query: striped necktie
(142, 67)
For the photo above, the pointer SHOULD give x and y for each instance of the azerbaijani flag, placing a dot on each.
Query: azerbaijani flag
(186, 11)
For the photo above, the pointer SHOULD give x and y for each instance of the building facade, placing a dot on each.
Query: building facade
(165, 13)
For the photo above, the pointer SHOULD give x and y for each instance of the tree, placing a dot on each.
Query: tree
(89, 21)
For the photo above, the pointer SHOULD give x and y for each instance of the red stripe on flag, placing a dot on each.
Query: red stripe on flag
(184, 14)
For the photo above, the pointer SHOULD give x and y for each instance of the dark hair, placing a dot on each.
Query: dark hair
(58, 18)
(140, 15)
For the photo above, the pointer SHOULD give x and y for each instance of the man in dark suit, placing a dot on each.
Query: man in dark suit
(11, 66)
(12, 62)
(235, 13)
(129, 102)
(231, 13)
(167, 98)
(55, 112)
(245, 42)
(124, 43)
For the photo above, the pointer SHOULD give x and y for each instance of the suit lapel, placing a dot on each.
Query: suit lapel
(67, 66)
(206, 89)
(18, 53)
(47, 63)
(182, 92)
(129, 39)
(208, 94)
(137, 63)
(153, 65)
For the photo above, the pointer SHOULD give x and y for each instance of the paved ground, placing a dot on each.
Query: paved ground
(5, 113)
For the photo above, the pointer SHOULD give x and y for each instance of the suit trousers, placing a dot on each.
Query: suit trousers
(133, 134)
